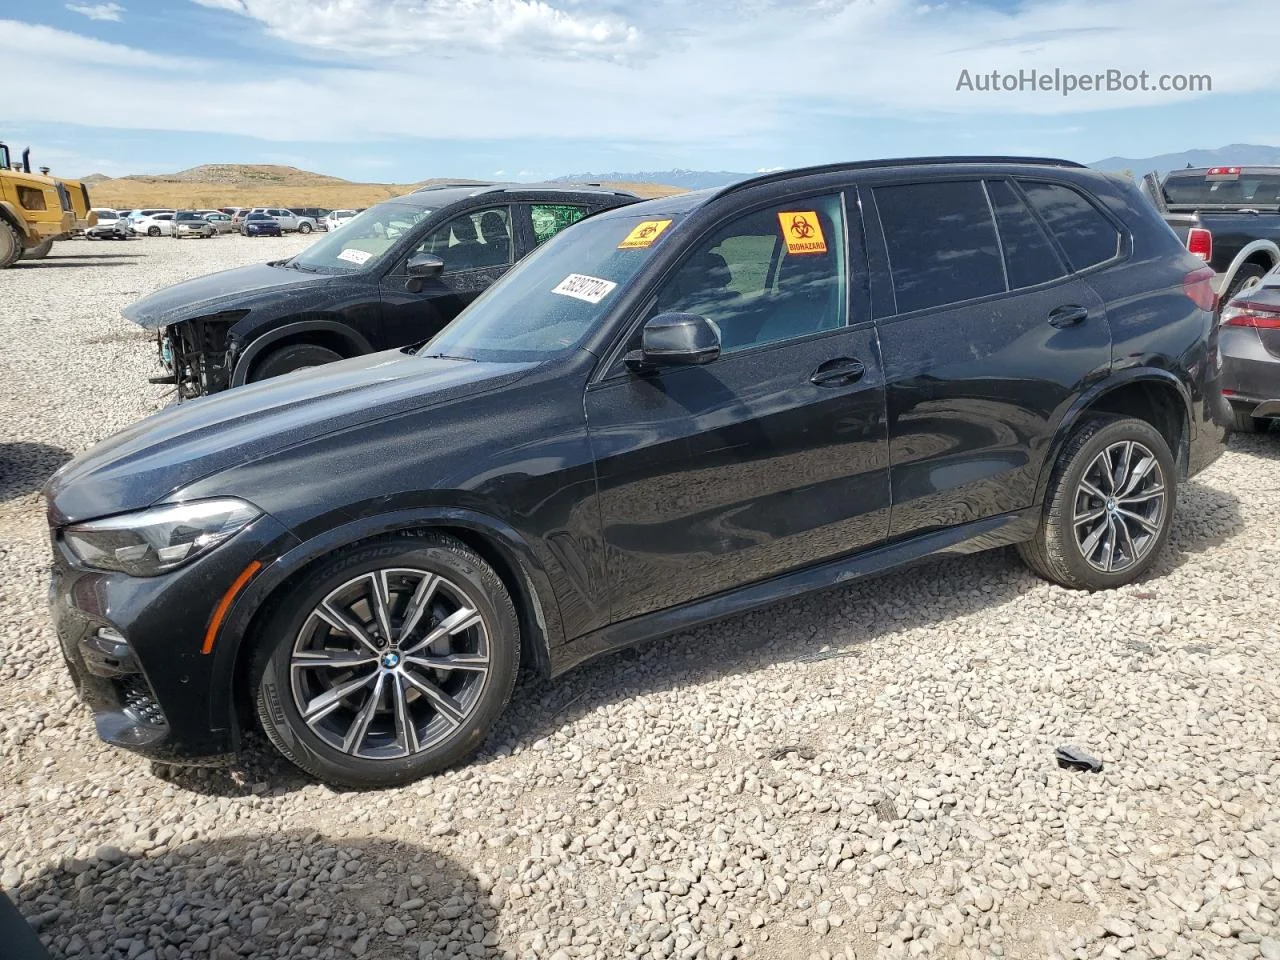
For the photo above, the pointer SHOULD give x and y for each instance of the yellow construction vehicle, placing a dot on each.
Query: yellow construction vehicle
(35, 210)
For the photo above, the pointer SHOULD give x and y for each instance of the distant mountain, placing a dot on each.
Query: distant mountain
(1242, 154)
(685, 179)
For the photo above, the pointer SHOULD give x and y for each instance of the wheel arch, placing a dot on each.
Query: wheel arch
(1155, 396)
(321, 330)
(501, 546)
(1264, 253)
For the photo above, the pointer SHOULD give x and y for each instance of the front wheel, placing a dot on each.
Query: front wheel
(391, 662)
(297, 356)
(153, 231)
(1110, 506)
(10, 245)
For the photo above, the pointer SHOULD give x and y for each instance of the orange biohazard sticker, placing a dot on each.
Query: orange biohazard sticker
(644, 234)
(803, 232)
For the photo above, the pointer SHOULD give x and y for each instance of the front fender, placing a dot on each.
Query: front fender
(534, 590)
(244, 362)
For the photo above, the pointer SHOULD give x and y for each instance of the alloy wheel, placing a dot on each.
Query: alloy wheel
(390, 663)
(1119, 508)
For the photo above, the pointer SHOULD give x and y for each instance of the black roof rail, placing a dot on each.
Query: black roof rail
(894, 162)
(456, 184)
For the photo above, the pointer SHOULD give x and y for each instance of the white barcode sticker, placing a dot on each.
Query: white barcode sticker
(582, 287)
(355, 256)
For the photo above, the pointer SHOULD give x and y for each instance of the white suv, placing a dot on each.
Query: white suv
(288, 220)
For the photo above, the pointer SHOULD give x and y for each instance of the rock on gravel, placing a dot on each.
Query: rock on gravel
(867, 773)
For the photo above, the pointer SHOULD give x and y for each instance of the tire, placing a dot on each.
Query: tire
(304, 228)
(1243, 420)
(10, 245)
(365, 741)
(1058, 550)
(153, 231)
(38, 252)
(297, 356)
(1249, 273)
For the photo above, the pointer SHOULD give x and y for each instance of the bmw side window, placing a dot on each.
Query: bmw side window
(550, 218)
(941, 241)
(772, 275)
(1029, 255)
(1087, 237)
(473, 241)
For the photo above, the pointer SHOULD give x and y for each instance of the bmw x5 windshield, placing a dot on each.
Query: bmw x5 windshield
(364, 240)
(549, 302)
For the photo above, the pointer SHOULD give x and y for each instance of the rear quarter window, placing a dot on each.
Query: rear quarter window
(1086, 236)
(1029, 255)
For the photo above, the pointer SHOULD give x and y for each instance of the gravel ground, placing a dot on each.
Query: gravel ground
(866, 773)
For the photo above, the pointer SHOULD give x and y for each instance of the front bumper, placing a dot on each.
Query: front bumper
(133, 647)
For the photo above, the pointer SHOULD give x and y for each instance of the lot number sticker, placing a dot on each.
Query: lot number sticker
(581, 287)
(355, 256)
(644, 235)
(803, 232)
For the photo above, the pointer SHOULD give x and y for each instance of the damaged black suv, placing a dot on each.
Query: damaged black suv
(672, 412)
(392, 276)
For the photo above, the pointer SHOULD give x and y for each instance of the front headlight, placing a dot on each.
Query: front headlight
(155, 541)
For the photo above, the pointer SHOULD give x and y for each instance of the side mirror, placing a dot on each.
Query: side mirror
(421, 268)
(424, 266)
(681, 339)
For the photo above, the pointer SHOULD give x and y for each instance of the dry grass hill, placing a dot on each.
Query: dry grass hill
(259, 185)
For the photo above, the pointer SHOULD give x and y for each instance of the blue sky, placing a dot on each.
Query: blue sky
(402, 90)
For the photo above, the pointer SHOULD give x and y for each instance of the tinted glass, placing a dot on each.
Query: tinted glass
(1085, 234)
(1028, 254)
(550, 218)
(363, 241)
(941, 241)
(772, 275)
(473, 241)
(1249, 189)
(549, 301)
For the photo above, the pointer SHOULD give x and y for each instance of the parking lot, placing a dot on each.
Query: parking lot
(866, 773)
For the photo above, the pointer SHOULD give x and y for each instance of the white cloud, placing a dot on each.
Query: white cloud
(396, 28)
(743, 75)
(98, 11)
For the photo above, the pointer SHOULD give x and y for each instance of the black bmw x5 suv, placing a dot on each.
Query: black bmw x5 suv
(673, 412)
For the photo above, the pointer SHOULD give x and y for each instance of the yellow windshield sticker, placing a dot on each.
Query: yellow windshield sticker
(644, 234)
(803, 232)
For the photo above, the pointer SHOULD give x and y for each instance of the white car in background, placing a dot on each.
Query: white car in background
(337, 218)
(112, 224)
(154, 225)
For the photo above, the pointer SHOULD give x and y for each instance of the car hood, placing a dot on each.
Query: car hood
(230, 289)
(186, 442)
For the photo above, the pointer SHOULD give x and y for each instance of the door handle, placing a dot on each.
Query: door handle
(1068, 315)
(839, 371)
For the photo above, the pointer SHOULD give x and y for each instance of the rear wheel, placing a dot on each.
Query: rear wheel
(304, 228)
(38, 252)
(392, 661)
(10, 245)
(1245, 422)
(1248, 276)
(153, 231)
(1110, 506)
(296, 356)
